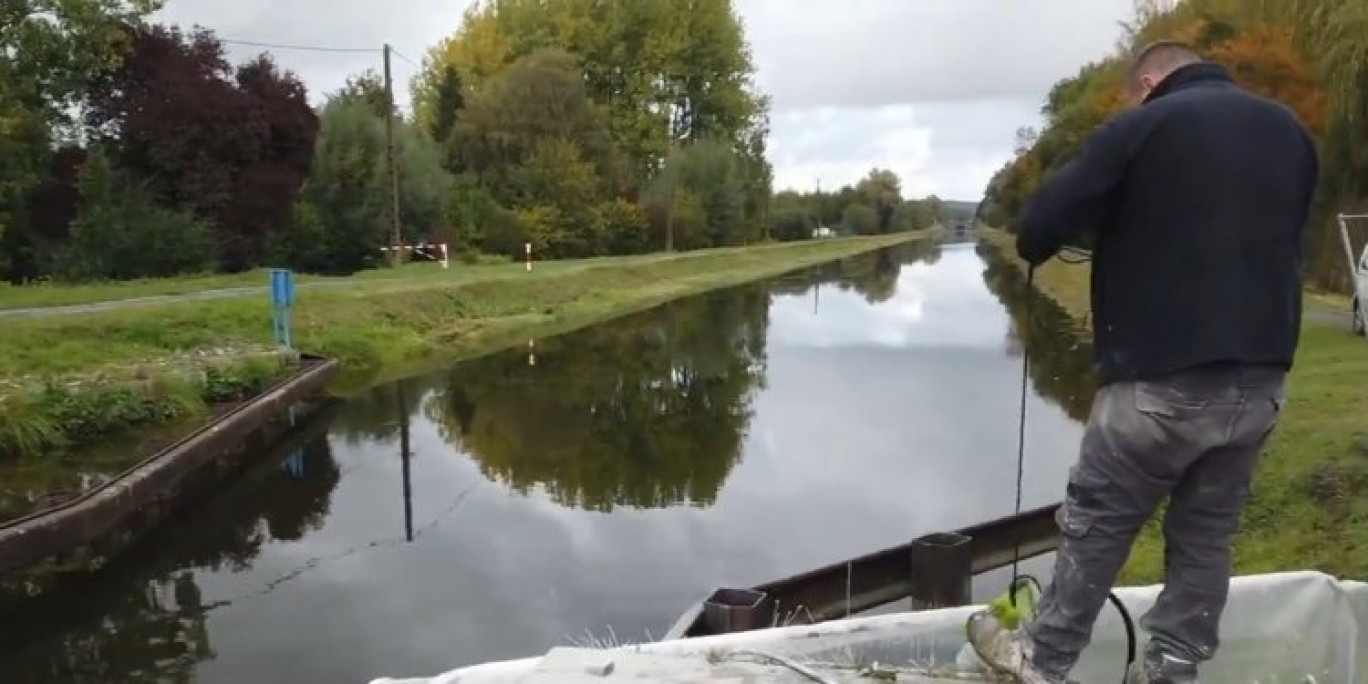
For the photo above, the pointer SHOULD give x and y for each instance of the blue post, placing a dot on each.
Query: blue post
(282, 302)
(294, 465)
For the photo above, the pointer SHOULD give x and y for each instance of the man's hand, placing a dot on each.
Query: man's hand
(1077, 197)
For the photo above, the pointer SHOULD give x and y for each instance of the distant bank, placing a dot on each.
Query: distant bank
(75, 377)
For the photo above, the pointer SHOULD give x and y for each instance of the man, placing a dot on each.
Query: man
(1198, 198)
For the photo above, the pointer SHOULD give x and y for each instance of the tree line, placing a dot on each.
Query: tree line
(1311, 55)
(872, 206)
(130, 149)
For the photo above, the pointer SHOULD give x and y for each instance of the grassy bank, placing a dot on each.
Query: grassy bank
(373, 325)
(1311, 493)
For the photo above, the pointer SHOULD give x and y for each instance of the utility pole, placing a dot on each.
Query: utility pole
(395, 238)
(404, 455)
(670, 178)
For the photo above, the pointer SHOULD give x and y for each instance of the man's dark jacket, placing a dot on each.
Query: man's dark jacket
(1198, 199)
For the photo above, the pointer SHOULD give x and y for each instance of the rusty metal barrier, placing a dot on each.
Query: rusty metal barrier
(933, 570)
(31, 539)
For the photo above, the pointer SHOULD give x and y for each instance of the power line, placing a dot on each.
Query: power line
(400, 55)
(306, 48)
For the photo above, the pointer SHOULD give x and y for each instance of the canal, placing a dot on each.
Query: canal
(594, 485)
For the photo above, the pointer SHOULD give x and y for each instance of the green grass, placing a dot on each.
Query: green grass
(64, 294)
(61, 415)
(1310, 498)
(375, 326)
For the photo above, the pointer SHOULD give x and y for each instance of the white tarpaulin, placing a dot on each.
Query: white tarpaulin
(1282, 628)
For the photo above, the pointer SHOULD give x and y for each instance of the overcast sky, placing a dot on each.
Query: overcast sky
(933, 89)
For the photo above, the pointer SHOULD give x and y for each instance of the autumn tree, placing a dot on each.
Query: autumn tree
(1311, 55)
(543, 148)
(665, 74)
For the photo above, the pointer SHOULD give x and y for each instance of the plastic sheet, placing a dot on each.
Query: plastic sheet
(1298, 627)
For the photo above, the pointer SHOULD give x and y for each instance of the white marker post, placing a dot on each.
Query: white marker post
(445, 259)
(527, 249)
(531, 353)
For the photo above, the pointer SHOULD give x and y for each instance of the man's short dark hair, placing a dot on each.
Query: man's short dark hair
(1163, 55)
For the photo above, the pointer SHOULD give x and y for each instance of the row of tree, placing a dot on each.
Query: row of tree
(1312, 55)
(583, 127)
(873, 206)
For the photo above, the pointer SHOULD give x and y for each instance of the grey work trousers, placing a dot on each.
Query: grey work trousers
(1195, 438)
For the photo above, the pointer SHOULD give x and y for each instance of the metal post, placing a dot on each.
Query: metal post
(282, 303)
(392, 170)
(404, 456)
(942, 571)
(738, 610)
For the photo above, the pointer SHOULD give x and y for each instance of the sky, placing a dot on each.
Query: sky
(931, 89)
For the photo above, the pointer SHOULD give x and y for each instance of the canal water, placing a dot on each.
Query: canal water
(592, 486)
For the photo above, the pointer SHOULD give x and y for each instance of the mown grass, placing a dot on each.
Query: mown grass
(374, 329)
(1310, 498)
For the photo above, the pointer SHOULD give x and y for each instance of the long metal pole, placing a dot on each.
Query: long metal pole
(395, 238)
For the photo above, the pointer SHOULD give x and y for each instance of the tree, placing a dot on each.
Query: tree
(448, 101)
(121, 233)
(50, 50)
(882, 191)
(860, 219)
(368, 88)
(664, 69)
(233, 148)
(647, 413)
(542, 147)
(711, 174)
(343, 217)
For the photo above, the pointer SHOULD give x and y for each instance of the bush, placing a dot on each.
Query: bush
(121, 233)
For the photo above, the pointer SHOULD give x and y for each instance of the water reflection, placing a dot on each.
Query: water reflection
(1061, 358)
(144, 617)
(491, 510)
(647, 413)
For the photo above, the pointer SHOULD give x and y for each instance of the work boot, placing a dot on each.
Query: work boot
(1162, 668)
(1006, 651)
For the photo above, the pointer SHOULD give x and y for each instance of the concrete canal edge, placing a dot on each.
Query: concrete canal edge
(157, 483)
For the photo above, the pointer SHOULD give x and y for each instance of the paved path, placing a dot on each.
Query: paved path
(1332, 316)
(107, 305)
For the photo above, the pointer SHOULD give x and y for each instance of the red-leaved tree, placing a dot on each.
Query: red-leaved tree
(232, 147)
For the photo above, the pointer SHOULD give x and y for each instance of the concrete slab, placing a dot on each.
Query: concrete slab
(590, 666)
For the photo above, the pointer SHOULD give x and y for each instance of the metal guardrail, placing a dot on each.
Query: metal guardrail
(28, 540)
(933, 570)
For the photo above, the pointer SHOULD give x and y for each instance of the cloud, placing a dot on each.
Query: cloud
(872, 53)
(933, 89)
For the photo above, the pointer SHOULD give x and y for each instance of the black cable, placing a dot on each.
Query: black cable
(400, 55)
(1076, 255)
(1021, 441)
(304, 48)
(1130, 633)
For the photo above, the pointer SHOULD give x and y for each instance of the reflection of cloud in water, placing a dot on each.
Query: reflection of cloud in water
(937, 305)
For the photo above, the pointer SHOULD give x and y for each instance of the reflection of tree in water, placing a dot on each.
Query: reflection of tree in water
(142, 618)
(374, 413)
(873, 275)
(648, 411)
(1061, 359)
